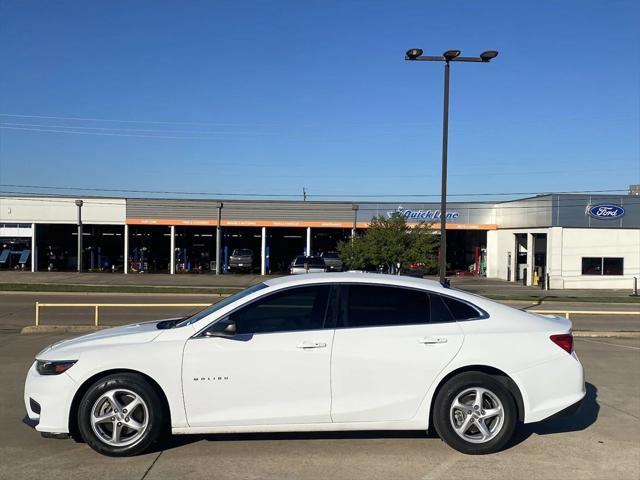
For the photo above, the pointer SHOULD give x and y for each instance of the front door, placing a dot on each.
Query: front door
(275, 370)
(389, 346)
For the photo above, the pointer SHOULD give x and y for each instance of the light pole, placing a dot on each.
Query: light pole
(218, 237)
(355, 209)
(79, 205)
(447, 57)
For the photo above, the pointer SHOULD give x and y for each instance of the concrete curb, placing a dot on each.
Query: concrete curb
(91, 328)
(591, 333)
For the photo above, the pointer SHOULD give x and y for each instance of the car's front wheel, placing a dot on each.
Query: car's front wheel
(120, 415)
(475, 413)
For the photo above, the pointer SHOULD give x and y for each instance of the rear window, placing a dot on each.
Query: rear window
(461, 310)
(330, 255)
(311, 261)
(242, 252)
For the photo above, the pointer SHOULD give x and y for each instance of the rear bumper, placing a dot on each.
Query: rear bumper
(568, 411)
(552, 387)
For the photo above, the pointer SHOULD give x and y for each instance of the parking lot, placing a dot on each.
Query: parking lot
(601, 442)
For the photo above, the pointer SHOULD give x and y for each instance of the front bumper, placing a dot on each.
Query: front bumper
(53, 395)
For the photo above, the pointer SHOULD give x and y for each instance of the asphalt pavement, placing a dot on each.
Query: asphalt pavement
(601, 442)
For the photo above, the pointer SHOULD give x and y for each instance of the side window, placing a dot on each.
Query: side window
(301, 308)
(439, 311)
(461, 310)
(377, 306)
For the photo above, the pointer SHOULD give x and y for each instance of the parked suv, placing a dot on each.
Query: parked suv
(241, 259)
(303, 264)
(332, 261)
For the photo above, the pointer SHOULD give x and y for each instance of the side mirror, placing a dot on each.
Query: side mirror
(224, 328)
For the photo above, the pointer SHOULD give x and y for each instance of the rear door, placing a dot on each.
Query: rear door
(389, 345)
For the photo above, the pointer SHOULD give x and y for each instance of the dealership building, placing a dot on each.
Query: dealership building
(569, 240)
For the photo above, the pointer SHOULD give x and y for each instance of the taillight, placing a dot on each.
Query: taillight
(564, 341)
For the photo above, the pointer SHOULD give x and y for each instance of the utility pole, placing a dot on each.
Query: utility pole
(79, 205)
(219, 206)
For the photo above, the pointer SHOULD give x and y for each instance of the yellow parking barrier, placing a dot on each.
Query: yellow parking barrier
(98, 306)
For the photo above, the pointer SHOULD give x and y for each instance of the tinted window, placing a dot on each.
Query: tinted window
(591, 266)
(311, 261)
(602, 266)
(299, 261)
(613, 266)
(374, 306)
(460, 310)
(439, 311)
(301, 308)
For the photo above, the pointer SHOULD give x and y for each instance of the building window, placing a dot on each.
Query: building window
(602, 266)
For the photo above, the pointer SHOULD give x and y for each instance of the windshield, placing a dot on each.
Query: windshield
(221, 304)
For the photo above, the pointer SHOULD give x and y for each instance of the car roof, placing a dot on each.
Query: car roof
(356, 277)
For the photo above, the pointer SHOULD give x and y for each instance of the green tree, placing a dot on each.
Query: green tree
(389, 243)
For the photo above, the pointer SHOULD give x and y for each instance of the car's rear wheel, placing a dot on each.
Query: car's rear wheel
(475, 413)
(120, 415)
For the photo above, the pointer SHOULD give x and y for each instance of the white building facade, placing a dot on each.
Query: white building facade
(567, 241)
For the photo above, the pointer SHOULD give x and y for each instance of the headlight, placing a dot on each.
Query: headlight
(47, 367)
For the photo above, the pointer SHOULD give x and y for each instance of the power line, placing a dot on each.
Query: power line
(96, 133)
(155, 122)
(336, 195)
(382, 205)
(122, 129)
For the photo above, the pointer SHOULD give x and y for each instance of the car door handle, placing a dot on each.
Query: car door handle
(432, 340)
(307, 345)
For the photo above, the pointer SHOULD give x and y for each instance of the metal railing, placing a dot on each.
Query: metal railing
(567, 313)
(98, 306)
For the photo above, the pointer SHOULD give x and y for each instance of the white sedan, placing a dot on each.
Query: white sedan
(336, 351)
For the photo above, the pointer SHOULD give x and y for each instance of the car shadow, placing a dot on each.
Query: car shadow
(584, 418)
(177, 441)
(581, 420)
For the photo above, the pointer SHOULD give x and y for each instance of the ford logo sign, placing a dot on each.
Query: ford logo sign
(605, 212)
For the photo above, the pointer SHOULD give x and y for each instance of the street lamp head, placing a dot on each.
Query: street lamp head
(488, 55)
(79, 203)
(219, 204)
(355, 208)
(451, 54)
(413, 53)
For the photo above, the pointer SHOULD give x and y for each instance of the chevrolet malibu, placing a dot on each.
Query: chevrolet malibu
(324, 352)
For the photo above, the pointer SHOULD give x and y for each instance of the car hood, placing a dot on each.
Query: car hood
(127, 334)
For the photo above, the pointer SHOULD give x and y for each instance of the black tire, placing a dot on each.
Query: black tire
(443, 418)
(131, 382)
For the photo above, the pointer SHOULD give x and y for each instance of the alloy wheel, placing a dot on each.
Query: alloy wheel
(119, 417)
(476, 415)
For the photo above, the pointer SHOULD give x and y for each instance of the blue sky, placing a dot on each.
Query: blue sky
(268, 97)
